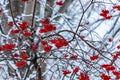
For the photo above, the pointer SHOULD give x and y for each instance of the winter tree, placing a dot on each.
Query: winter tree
(59, 40)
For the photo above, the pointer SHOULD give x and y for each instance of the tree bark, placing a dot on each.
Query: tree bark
(28, 11)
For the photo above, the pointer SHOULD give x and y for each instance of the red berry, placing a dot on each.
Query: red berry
(60, 3)
(75, 70)
(110, 39)
(27, 33)
(45, 21)
(105, 77)
(24, 57)
(94, 57)
(74, 57)
(21, 64)
(47, 48)
(1, 10)
(34, 47)
(10, 24)
(15, 55)
(25, 0)
(65, 72)
(16, 31)
(23, 25)
(8, 47)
